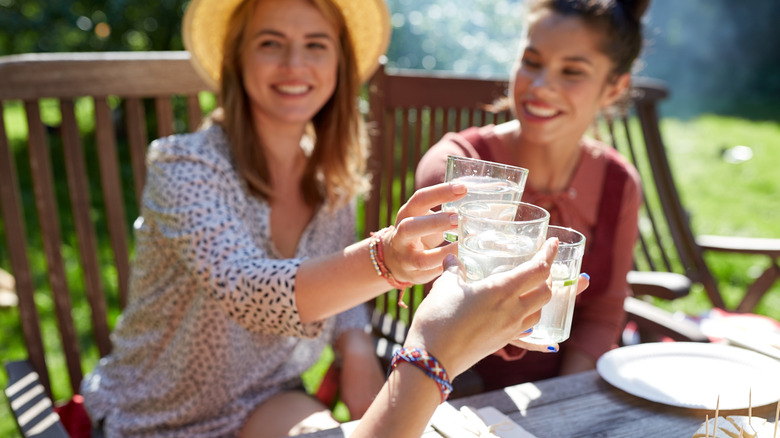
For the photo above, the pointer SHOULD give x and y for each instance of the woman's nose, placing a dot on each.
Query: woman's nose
(542, 83)
(542, 80)
(293, 57)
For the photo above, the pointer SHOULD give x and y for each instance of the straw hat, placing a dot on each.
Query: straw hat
(205, 27)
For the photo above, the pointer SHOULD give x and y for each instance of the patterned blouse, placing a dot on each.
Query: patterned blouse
(211, 328)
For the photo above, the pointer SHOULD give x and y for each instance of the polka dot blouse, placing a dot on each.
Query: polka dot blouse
(211, 328)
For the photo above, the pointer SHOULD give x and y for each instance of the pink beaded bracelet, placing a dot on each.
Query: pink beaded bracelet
(428, 364)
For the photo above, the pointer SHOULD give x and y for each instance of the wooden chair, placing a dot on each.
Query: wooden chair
(76, 198)
(408, 113)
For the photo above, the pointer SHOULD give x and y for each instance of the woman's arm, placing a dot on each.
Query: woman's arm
(459, 324)
(327, 285)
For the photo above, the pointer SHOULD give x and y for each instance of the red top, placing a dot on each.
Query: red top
(607, 214)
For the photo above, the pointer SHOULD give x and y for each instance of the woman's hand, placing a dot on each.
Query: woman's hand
(460, 323)
(361, 375)
(411, 250)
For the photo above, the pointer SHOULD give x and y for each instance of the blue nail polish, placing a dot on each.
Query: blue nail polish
(585, 275)
(553, 349)
(529, 330)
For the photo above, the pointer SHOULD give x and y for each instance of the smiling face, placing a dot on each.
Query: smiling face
(290, 61)
(561, 79)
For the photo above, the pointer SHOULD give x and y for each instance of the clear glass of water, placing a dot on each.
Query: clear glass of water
(557, 314)
(496, 236)
(485, 180)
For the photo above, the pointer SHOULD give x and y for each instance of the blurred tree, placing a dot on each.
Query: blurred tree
(466, 36)
(715, 54)
(89, 25)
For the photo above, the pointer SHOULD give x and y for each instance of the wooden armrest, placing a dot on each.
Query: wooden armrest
(30, 404)
(745, 245)
(653, 319)
(666, 285)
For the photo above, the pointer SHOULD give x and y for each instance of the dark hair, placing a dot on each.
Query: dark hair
(619, 21)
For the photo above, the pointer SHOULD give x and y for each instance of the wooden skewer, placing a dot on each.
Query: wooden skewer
(715, 425)
(777, 417)
(707, 425)
(750, 407)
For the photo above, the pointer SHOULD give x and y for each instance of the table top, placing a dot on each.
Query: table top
(583, 405)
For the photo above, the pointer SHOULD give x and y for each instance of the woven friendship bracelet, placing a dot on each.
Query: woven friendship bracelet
(428, 364)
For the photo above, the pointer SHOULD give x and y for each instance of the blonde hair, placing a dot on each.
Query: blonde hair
(336, 168)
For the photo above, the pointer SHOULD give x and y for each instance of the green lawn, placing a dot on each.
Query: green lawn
(723, 198)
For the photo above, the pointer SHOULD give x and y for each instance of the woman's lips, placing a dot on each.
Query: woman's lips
(540, 111)
(293, 90)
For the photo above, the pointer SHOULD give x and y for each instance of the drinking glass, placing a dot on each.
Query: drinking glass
(496, 236)
(485, 180)
(557, 314)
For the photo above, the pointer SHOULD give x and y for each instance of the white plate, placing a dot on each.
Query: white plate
(693, 375)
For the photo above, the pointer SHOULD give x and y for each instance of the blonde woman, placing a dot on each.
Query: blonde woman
(245, 265)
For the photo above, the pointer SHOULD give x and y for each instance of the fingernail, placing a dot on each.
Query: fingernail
(553, 349)
(585, 275)
(459, 188)
(528, 331)
(454, 219)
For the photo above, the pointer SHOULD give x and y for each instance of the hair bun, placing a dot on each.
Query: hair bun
(634, 8)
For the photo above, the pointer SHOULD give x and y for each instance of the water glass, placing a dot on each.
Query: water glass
(557, 314)
(496, 236)
(485, 180)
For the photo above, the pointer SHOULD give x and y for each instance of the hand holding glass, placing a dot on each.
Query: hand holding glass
(496, 236)
(485, 180)
(557, 314)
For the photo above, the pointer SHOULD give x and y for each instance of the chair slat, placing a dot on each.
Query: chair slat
(81, 205)
(164, 109)
(194, 113)
(48, 217)
(137, 140)
(17, 251)
(418, 138)
(112, 192)
(388, 168)
(406, 145)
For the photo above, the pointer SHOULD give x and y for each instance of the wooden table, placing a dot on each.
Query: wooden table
(584, 405)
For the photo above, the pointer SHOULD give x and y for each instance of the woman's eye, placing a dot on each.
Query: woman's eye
(530, 63)
(269, 44)
(573, 72)
(318, 46)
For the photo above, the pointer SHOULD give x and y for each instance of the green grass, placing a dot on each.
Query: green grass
(728, 199)
(723, 198)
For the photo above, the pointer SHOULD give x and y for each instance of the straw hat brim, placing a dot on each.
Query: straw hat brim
(205, 26)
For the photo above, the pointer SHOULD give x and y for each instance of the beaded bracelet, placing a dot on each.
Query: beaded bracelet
(376, 252)
(428, 364)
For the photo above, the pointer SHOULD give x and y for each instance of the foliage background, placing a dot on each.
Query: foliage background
(717, 55)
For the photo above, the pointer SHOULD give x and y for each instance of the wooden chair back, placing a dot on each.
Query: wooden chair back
(408, 113)
(411, 111)
(666, 241)
(67, 233)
